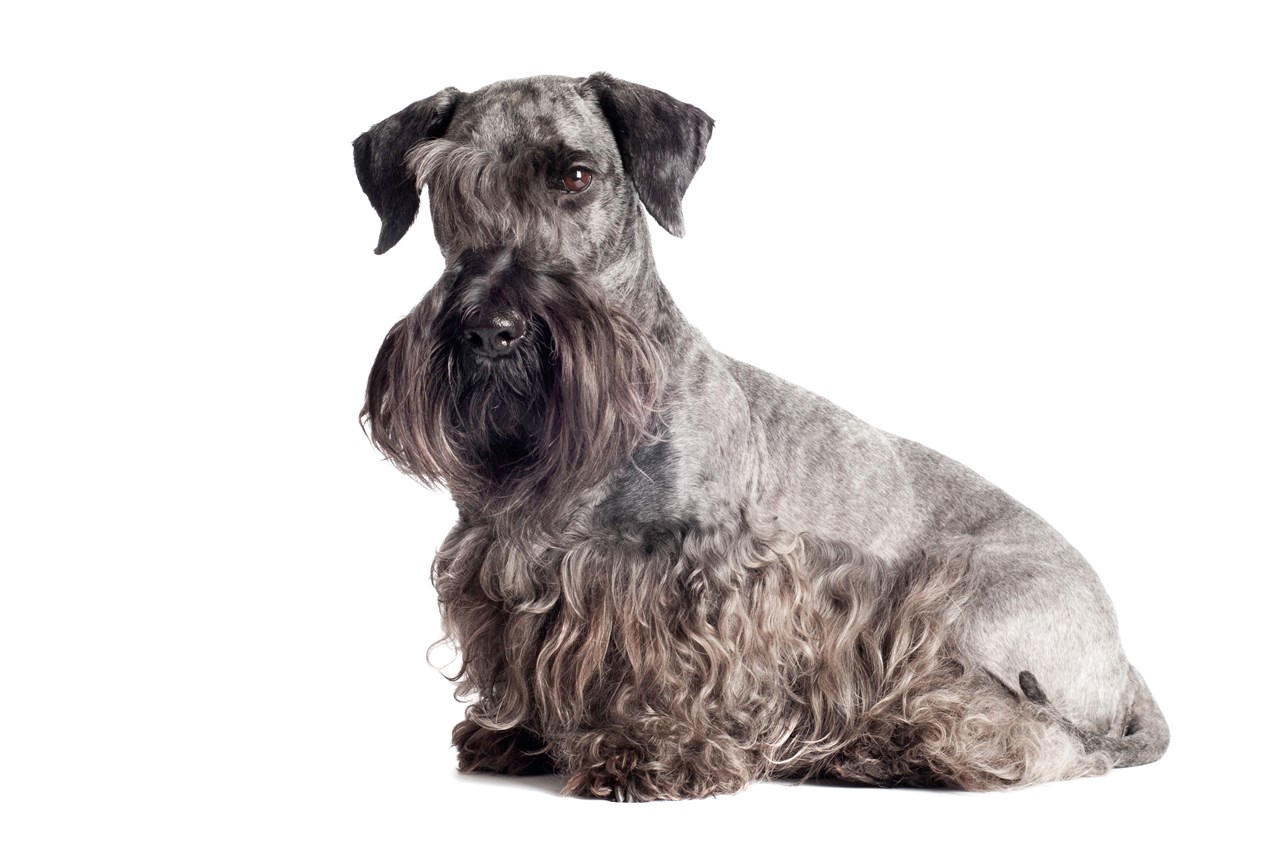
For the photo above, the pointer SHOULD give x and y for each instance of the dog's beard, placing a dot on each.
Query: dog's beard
(524, 431)
(498, 405)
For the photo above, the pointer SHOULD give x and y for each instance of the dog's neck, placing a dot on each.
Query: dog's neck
(632, 276)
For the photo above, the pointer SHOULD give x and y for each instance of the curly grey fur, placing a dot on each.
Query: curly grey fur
(673, 573)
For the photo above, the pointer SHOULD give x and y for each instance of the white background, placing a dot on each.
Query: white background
(1036, 239)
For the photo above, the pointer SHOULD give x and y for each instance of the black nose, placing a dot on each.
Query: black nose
(495, 334)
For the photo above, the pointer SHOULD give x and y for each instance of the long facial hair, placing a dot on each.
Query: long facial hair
(518, 434)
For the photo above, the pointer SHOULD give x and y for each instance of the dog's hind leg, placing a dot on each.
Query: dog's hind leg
(1142, 739)
(969, 731)
(1039, 614)
(923, 710)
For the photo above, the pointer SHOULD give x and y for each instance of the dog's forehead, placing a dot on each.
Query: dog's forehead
(541, 111)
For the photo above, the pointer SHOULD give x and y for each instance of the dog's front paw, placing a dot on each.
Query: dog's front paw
(512, 752)
(628, 776)
(618, 777)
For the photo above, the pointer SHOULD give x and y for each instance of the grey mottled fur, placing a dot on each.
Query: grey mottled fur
(763, 584)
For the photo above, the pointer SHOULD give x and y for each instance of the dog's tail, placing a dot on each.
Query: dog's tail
(1144, 736)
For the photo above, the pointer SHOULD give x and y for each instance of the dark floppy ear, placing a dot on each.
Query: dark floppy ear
(379, 155)
(662, 140)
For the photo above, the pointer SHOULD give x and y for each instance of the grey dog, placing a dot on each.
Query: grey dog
(674, 573)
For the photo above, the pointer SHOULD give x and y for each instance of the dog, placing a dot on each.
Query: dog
(673, 573)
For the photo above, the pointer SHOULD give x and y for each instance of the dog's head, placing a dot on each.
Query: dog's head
(524, 372)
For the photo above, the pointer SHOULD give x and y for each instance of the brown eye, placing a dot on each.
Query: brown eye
(576, 179)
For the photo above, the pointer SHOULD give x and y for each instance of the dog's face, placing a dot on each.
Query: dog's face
(523, 371)
(529, 165)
